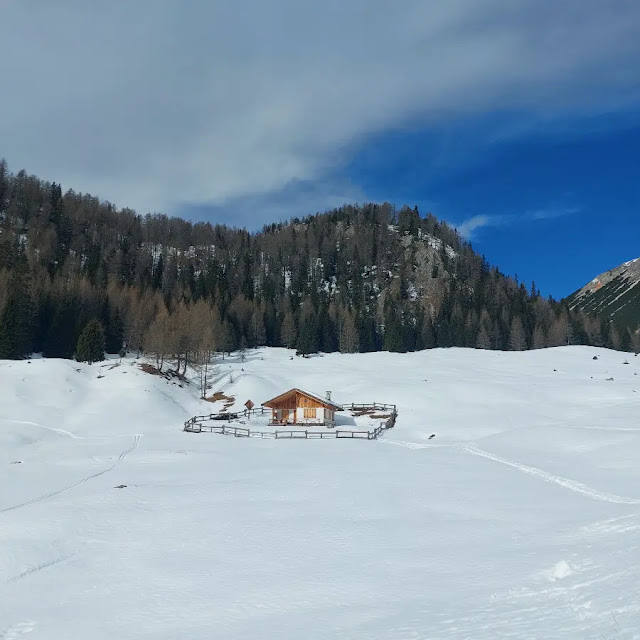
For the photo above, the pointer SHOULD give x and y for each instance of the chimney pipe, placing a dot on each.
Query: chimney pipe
(328, 395)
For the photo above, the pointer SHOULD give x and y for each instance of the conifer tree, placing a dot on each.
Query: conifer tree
(635, 341)
(308, 337)
(61, 338)
(394, 339)
(16, 320)
(227, 339)
(368, 334)
(426, 337)
(113, 329)
(483, 341)
(91, 343)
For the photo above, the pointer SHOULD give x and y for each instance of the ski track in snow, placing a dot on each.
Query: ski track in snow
(51, 494)
(42, 426)
(567, 483)
(40, 567)
(594, 428)
(17, 630)
(418, 445)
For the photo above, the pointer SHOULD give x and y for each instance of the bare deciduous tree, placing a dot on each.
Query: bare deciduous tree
(348, 337)
(517, 338)
(288, 331)
(157, 338)
(539, 338)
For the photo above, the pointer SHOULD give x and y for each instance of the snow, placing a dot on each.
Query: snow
(436, 243)
(625, 290)
(559, 571)
(520, 519)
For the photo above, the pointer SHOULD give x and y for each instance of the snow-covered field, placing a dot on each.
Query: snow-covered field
(520, 519)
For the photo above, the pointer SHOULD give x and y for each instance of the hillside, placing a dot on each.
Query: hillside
(355, 279)
(613, 295)
(519, 519)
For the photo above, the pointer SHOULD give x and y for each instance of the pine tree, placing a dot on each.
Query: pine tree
(394, 339)
(625, 340)
(91, 343)
(328, 333)
(426, 337)
(368, 334)
(16, 320)
(308, 337)
(443, 333)
(483, 341)
(61, 338)
(635, 341)
(227, 338)
(113, 330)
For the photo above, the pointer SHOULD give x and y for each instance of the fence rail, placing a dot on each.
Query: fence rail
(198, 424)
(371, 406)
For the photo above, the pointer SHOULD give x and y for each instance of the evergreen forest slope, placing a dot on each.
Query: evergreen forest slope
(355, 279)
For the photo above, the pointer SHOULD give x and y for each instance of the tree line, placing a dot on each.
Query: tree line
(355, 279)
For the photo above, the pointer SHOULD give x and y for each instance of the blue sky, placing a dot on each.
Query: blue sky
(555, 206)
(516, 121)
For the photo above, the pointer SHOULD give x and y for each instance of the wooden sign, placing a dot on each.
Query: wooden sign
(249, 405)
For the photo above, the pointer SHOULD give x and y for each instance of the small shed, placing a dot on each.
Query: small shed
(298, 407)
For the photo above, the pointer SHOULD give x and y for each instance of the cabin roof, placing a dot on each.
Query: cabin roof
(323, 402)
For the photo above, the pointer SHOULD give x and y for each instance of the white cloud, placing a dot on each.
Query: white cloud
(468, 228)
(153, 104)
(552, 212)
(471, 225)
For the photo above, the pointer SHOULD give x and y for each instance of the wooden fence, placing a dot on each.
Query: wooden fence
(198, 424)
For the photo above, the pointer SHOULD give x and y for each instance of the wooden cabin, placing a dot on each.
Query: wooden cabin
(297, 407)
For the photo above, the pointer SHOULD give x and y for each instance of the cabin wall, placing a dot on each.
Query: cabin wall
(302, 419)
(297, 406)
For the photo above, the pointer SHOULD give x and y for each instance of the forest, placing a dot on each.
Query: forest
(359, 278)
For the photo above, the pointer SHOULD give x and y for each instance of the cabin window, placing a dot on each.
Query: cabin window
(310, 413)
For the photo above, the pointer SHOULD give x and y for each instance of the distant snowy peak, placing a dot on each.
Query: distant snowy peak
(629, 271)
(614, 294)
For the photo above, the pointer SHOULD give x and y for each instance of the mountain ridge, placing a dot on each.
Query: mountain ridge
(613, 295)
